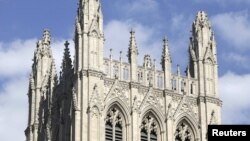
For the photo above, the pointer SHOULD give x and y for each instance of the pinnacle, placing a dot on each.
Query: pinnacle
(46, 37)
(66, 63)
(165, 52)
(201, 20)
(132, 40)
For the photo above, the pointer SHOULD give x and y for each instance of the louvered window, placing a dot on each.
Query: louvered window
(109, 131)
(144, 135)
(118, 132)
(153, 136)
(113, 128)
(149, 129)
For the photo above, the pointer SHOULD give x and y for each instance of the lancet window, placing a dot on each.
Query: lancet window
(184, 132)
(149, 129)
(159, 82)
(125, 73)
(114, 127)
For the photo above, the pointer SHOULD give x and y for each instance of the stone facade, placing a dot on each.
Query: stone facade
(102, 99)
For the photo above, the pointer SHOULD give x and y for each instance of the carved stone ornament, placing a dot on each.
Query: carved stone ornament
(185, 107)
(184, 132)
(151, 99)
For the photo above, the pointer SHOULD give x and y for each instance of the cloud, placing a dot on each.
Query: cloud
(234, 28)
(117, 37)
(238, 59)
(234, 91)
(14, 109)
(16, 57)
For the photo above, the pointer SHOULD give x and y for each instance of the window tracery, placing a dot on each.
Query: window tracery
(114, 125)
(149, 129)
(184, 132)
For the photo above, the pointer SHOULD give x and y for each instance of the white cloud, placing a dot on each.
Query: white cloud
(237, 59)
(14, 109)
(16, 57)
(234, 28)
(234, 91)
(117, 34)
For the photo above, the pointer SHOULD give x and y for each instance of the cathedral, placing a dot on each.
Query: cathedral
(94, 98)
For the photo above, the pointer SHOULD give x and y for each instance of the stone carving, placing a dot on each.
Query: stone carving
(213, 119)
(114, 116)
(151, 99)
(185, 107)
(74, 98)
(184, 132)
(149, 123)
(96, 99)
(116, 91)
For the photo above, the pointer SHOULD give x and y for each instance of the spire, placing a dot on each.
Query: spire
(66, 63)
(66, 67)
(178, 70)
(46, 37)
(201, 21)
(132, 45)
(43, 46)
(202, 33)
(165, 53)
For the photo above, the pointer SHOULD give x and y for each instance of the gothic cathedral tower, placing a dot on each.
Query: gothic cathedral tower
(89, 42)
(103, 99)
(203, 67)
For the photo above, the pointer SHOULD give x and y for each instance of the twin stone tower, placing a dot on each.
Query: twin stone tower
(101, 99)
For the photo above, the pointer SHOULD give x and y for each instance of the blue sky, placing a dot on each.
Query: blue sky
(22, 23)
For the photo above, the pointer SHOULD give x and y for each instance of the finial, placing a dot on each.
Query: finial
(110, 55)
(46, 37)
(66, 44)
(165, 40)
(187, 72)
(154, 64)
(120, 55)
(178, 70)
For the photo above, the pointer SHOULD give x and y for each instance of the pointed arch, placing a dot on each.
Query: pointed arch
(156, 112)
(152, 124)
(185, 123)
(119, 103)
(116, 121)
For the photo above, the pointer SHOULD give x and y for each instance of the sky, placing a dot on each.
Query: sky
(22, 24)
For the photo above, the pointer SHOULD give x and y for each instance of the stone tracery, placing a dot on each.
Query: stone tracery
(114, 127)
(150, 128)
(184, 132)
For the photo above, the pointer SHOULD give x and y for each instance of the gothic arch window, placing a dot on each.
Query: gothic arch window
(115, 125)
(140, 76)
(173, 84)
(210, 75)
(106, 68)
(94, 48)
(125, 73)
(184, 132)
(150, 130)
(115, 71)
(210, 71)
(159, 81)
(183, 85)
